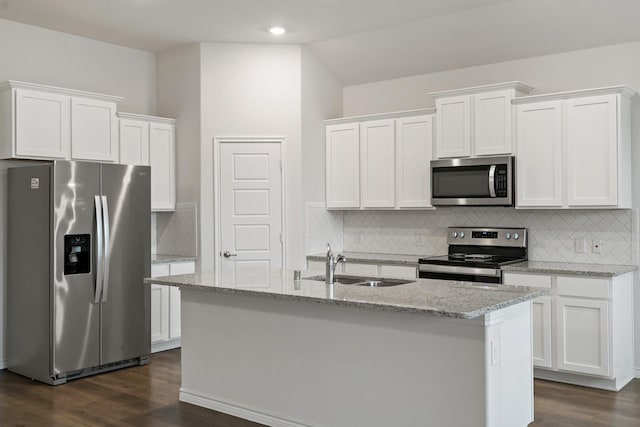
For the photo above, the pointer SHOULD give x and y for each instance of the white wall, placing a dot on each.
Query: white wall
(252, 90)
(611, 65)
(178, 93)
(38, 55)
(48, 57)
(619, 64)
(321, 99)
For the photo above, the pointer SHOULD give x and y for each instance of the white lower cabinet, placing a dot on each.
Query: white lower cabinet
(369, 269)
(165, 306)
(582, 331)
(541, 316)
(582, 338)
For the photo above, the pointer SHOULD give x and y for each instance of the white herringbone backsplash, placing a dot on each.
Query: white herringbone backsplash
(323, 227)
(552, 233)
(176, 232)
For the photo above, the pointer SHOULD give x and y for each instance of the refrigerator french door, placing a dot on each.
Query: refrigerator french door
(79, 246)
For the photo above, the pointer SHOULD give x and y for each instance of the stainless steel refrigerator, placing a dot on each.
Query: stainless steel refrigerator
(78, 248)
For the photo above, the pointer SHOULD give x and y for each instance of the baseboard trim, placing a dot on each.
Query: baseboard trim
(3, 364)
(583, 380)
(166, 345)
(235, 410)
(637, 372)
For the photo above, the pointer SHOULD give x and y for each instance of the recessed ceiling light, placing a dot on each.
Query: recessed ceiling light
(277, 31)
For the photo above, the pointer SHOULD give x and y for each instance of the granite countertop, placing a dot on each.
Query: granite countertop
(371, 257)
(164, 258)
(464, 300)
(605, 270)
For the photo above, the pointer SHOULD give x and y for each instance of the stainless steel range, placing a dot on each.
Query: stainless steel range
(477, 254)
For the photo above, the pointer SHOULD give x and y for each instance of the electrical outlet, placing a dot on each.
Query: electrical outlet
(580, 246)
(359, 238)
(596, 246)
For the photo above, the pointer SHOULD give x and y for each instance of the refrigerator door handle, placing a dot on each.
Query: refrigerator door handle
(99, 249)
(107, 244)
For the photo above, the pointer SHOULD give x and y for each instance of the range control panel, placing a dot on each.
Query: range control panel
(514, 237)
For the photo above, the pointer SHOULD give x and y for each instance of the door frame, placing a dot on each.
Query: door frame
(217, 144)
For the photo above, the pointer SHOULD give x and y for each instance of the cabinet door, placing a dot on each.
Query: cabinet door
(414, 151)
(592, 151)
(399, 271)
(162, 161)
(453, 127)
(42, 125)
(360, 269)
(343, 165)
(159, 305)
(583, 336)
(134, 142)
(377, 155)
(539, 154)
(492, 133)
(94, 131)
(541, 317)
(174, 298)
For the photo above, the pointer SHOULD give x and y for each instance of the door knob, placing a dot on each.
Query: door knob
(228, 254)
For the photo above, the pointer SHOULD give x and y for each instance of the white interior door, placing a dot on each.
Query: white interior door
(250, 208)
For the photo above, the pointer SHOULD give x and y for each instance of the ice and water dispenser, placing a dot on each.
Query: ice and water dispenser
(77, 253)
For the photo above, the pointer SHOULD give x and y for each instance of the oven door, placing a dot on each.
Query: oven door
(465, 274)
(482, 181)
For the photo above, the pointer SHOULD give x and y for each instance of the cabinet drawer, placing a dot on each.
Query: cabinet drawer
(583, 287)
(399, 271)
(317, 266)
(159, 270)
(533, 280)
(359, 269)
(183, 268)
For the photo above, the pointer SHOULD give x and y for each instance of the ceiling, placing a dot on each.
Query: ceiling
(359, 41)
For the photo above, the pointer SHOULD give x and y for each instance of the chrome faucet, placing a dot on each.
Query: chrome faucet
(332, 262)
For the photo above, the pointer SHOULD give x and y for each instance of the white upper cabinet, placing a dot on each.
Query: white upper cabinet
(539, 159)
(377, 155)
(574, 149)
(163, 166)
(380, 161)
(343, 165)
(94, 130)
(453, 127)
(42, 125)
(414, 151)
(150, 141)
(492, 124)
(592, 151)
(45, 122)
(134, 141)
(476, 121)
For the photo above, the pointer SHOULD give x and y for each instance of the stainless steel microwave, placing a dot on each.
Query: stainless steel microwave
(485, 181)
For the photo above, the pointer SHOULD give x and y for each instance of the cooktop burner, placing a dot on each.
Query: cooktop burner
(471, 257)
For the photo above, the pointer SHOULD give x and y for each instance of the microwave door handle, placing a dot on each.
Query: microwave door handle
(99, 248)
(492, 181)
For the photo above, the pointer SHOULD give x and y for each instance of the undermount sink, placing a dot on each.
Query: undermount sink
(372, 282)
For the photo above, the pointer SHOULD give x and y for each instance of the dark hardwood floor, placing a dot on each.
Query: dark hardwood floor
(148, 396)
(137, 396)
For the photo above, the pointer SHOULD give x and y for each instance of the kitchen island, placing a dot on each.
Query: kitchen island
(286, 352)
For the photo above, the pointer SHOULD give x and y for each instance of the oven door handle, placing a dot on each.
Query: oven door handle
(492, 181)
(470, 271)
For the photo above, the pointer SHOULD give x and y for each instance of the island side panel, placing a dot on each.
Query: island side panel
(290, 363)
(509, 366)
